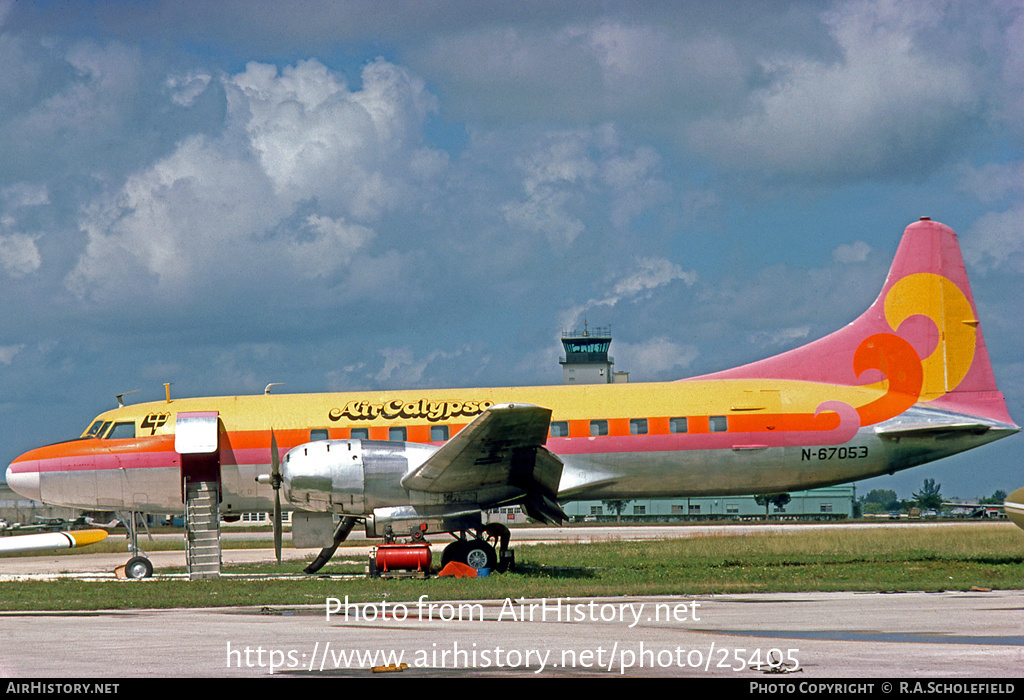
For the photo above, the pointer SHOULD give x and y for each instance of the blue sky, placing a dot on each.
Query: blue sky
(352, 195)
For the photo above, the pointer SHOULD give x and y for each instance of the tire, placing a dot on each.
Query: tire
(478, 554)
(138, 568)
(449, 553)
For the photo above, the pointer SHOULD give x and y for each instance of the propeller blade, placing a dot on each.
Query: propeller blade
(275, 482)
(277, 525)
(275, 461)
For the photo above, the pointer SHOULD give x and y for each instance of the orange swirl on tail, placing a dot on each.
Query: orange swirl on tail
(898, 361)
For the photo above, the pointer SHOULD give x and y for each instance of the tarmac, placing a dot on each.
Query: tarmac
(791, 638)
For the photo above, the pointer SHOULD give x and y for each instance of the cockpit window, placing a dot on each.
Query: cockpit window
(94, 429)
(121, 431)
(99, 429)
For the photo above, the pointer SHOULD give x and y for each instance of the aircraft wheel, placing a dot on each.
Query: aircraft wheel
(478, 554)
(138, 568)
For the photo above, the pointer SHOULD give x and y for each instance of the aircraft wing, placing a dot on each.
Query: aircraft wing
(504, 446)
(50, 540)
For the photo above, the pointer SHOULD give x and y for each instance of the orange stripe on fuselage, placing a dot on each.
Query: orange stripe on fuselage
(253, 446)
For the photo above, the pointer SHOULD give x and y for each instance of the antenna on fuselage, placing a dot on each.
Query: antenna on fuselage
(266, 392)
(120, 397)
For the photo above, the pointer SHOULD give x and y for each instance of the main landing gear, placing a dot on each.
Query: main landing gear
(480, 551)
(482, 548)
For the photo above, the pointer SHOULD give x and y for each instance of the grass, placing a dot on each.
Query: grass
(908, 558)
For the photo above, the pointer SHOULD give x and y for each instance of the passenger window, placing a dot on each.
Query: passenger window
(397, 434)
(677, 425)
(360, 433)
(438, 433)
(598, 428)
(638, 426)
(318, 434)
(122, 431)
(718, 424)
(560, 428)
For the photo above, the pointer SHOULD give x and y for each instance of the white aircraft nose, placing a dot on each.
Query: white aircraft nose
(24, 482)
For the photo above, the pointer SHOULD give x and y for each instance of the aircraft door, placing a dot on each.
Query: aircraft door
(197, 441)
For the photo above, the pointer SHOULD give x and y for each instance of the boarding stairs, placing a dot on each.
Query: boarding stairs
(202, 529)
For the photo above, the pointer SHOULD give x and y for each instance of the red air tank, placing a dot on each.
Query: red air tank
(403, 557)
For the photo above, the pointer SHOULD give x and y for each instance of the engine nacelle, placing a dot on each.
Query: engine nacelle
(350, 476)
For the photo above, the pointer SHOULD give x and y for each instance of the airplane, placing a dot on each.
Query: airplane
(20, 544)
(1014, 507)
(907, 382)
(973, 509)
(44, 524)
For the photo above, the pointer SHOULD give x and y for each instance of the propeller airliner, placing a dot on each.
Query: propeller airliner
(907, 382)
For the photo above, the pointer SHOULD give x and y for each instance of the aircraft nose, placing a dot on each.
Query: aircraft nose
(23, 478)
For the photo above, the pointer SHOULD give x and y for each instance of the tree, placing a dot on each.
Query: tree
(880, 501)
(617, 506)
(996, 499)
(929, 497)
(779, 500)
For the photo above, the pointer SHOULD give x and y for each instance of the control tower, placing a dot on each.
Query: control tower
(586, 359)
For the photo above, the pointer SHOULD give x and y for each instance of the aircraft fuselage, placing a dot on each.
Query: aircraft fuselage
(616, 441)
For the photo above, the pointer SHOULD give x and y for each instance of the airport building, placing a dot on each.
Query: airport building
(832, 503)
(18, 509)
(586, 359)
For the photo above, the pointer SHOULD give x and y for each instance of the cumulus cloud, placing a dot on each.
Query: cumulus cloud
(19, 255)
(552, 178)
(889, 104)
(647, 276)
(855, 252)
(333, 243)
(995, 241)
(402, 368)
(25, 194)
(655, 358)
(300, 172)
(567, 171)
(1012, 73)
(185, 89)
(647, 70)
(8, 352)
(784, 336)
(992, 182)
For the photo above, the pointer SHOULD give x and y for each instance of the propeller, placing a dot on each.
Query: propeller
(275, 483)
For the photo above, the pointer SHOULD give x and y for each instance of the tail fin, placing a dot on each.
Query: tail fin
(922, 334)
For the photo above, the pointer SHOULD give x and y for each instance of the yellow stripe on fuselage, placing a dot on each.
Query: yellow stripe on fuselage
(460, 406)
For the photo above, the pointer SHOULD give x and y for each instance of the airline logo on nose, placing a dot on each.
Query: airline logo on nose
(153, 421)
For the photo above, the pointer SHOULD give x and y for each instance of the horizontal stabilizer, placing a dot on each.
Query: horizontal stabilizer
(1014, 506)
(932, 430)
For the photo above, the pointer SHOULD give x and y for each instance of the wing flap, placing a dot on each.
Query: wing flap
(485, 452)
(504, 446)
